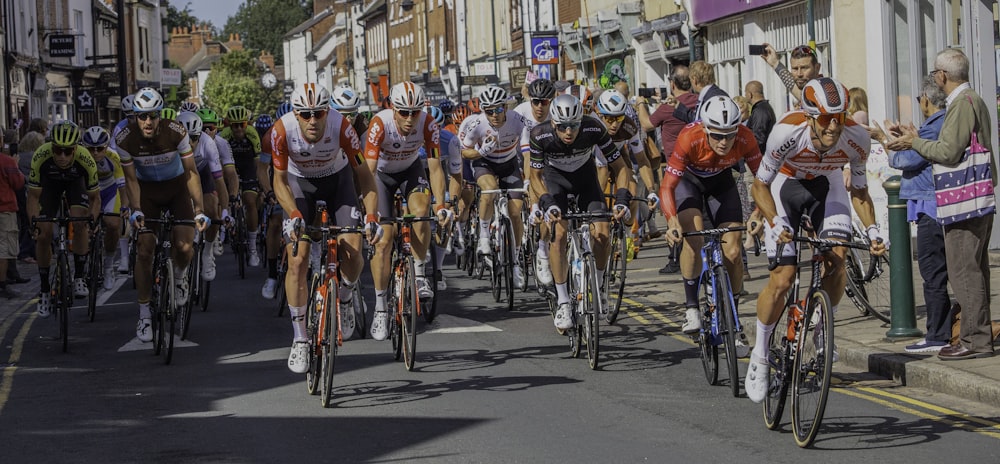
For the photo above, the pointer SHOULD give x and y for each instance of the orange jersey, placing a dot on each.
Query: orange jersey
(394, 151)
(338, 148)
(692, 153)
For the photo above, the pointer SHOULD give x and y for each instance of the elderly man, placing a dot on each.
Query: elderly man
(966, 242)
(703, 83)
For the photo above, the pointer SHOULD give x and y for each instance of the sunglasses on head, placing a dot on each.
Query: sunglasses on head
(803, 51)
(145, 116)
(541, 101)
(311, 114)
(567, 126)
(612, 119)
(408, 113)
(720, 136)
(825, 119)
(494, 111)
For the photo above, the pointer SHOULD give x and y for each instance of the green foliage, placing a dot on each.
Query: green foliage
(235, 80)
(262, 24)
(184, 18)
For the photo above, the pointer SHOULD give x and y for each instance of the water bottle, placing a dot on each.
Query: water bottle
(578, 271)
(709, 294)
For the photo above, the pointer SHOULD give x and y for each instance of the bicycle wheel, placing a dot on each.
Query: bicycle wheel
(95, 272)
(812, 369)
(508, 261)
(429, 310)
(411, 304)
(708, 348)
(168, 316)
(194, 298)
(779, 370)
(614, 274)
(314, 310)
(64, 299)
(360, 311)
(157, 302)
(868, 283)
(496, 272)
(205, 291)
(280, 291)
(328, 345)
(591, 311)
(728, 325)
(395, 326)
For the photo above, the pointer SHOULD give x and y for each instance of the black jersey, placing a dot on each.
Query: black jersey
(548, 150)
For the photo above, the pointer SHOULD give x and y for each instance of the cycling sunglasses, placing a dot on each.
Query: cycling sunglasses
(494, 111)
(720, 136)
(64, 151)
(541, 101)
(612, 119)
(150, 115)
(408, 113)
(306, 115)
(568, 126)
(209, 128)
(825, 119)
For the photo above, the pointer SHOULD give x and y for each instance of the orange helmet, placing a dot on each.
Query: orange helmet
(460, 113)
(473, 105)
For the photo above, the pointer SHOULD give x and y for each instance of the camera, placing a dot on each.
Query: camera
(646, 92)
(758, 50)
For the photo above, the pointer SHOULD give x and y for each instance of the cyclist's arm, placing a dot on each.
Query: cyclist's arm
(263, 179)
(131, 185)
(642, 110)
(643, 163)
(432, 145)
(364, 179)
(32, 203)
(761, 193)
(283, 192)
(863, 205)
(193, 183)
(91, 182)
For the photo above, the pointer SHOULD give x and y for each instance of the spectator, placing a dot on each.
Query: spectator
(39, 125)
(804, 67)
(966, 242)
(26, 149)
(702, 81)
(762, 117)
(857, 109)
(744, 104)
(11, 180)
(917, 188)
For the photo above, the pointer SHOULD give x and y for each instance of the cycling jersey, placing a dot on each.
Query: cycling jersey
(790, 151)
(206, 156)
(44, 169)
(508, 136)
(225, 151)
(338, 148)
(547, 150)
(394, 151)
(451, 149)
(693, 154)
(114, 133)
(524, 109)
(159, 158)
(109, 171)
(245, 151)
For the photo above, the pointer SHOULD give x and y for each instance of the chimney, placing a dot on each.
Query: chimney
(179, 49)
(197, 40)
(320, 5)
(214, 48)
(267, 59)
(234, 42)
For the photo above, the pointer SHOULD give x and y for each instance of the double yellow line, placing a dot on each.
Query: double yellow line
(646, 315)
(7, 374)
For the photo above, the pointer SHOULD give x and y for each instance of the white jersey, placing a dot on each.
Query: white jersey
(225, 151)
(454, 151)
(514, 133)
(291, 152)
(207, 153)
(790, 151)
(396, 152)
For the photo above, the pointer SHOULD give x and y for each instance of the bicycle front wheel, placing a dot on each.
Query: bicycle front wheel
(64, 299)
(95, 270)
(779, 376)
(723, 292)
(614, 275)
(708, 348)
(168, 314)
(408, 321)
(591, 311)
(429, 310)
(328, 344)
(868, 283)
(508, 261)
(314, 310)
(812, 368)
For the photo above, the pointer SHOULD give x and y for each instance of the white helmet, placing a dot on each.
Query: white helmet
(345, 99)
(825, 96)
(407, 96)
(566, 108)
(147, 100)
(191, 121)
(310, 96)
(189, 106)
(127, 104)
(612, 103)
(492, 96)
(720, 113)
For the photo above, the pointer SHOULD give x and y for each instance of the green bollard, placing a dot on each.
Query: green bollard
(904, 317)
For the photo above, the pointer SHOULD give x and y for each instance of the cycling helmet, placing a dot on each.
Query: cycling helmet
(566, 108)
(310, 96)
(612, 103)
(96, 136)
(345, 99)
(283, 108)
(263, 123)
(191, 121)
(473, 105)
(437, 114)
(168, 113)
(541, 88)
(147, 100)
(407, 96)
(447, 107)
(208, 116)
(461, 112)
(720, 113)
(127, 105)
(492, 96)
(189, 106)
(238, 114)
(65, 134)
(824, 96)
(581, 92)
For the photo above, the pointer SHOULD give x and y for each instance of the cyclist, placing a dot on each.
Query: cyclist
(447, 108)
(210, 121)
(168, 114)
(697, 183)
(160, 172)
(272, 241)
(245, 143)
(395, 137)
(451, 156)
(801, 176)
(206, 159)
(613, 109)
(317, 156)
(111, 181)
(491, 140)
(61, 167)
(563, 156)
(535, 112)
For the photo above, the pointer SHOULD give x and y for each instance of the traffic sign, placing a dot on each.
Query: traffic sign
(479, 80)
(544, 50)
(544, 71)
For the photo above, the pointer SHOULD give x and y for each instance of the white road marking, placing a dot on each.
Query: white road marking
(450, 324)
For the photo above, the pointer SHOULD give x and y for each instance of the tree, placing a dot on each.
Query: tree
(262, 24)
(235, 80)
(184, 18)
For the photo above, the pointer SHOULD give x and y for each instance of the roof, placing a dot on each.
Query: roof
(309, 23)
(202, 60)
(371, 9)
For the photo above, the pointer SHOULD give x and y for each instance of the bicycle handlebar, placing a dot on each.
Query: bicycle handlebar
(714, 232)
(822, 243)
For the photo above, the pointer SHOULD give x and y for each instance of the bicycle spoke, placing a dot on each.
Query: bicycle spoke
(812, 368)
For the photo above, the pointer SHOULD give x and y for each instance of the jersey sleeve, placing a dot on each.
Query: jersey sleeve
(265, 142)
(118, 173)
(351, 145)
(279, 146)
(42, 154)
(225, 151)
(254, 137)
(212, 155)
(454, 156)
(83, 157)
(781, 143)
(859, 147)
(608, 147)
(537, 155)
(376, 134)
(674, 171)
(751, 151)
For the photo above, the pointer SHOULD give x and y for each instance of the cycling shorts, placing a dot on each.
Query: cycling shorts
(716, 196)
(582, 183)
(52, 191)
(337, 190)
(408, 181)
(169, 194)
(823, 199)
(507, 173)
(110, 200)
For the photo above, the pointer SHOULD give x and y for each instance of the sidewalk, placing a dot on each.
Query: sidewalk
(861, 340)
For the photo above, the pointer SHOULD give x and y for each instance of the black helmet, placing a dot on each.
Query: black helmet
(541, 88)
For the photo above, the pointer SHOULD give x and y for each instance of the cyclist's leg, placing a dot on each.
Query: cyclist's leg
(417, 192)
(145, 248)
(250, 203)
(725, 210)
(486, 180)
(834, 218)
(183, 234)
(381, 265)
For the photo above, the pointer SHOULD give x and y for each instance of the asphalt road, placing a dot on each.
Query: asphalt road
(489, 386)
